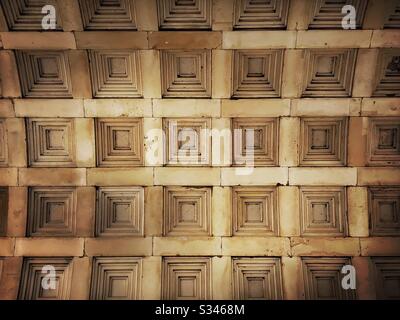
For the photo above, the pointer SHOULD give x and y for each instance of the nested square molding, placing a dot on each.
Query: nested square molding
(323, 141)
(186, 73)
(188, 141)
(255, 140)
(108, 15)
(387, 82)
(383, 141)
(384, 211)
(44, 74)
(257, 73)
(387, 277)
(187, 211)
(115, 73)
(52, 211)
(323, 211)
(51, 142)
(119, 142)
(255, 211)
(32, 277)
(250, 14)
(120, 211)
(329, 72)
(116, 278)
(323, 277)
(183, 14)
(186, 278)
(257, 279)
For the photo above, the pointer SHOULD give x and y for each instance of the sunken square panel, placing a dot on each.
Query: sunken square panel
(51, 142)
(187, 141)
(119, 142)
(186, 73)
(323, 141)
(186, 278)
(108, 14)
(44, 74)
(329, 72)
(383, 142)
(33, 277)
(257, 73)
(115, 73)
(384, 211)
(257, 279)
(255, 211)
(116, 278)
(323, 211)
(255, 140)
(3, 211)
(183, 14)
(26, 15)
(3, 144)
(120, 211)
(323, 277)
(387, 277)
(388, 73)
(253, 14)
(326, 14)
(393, 21)
(52, 211)
(187, 211)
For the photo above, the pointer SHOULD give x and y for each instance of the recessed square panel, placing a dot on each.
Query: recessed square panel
(325, 14)
(115, 73)
(51, 142)
(187, 211)
(44, 74)
(35, 272)
(387, 277)
(388, 73)
(188, 141)
(323, 277)
(119, 142)
(186, 73)
(3, 144)
(3, 211)
(328, 72)
(383, 143)
(186, 278)
(253, 14)
(323, 141)
(255, 140)
(26, 15)
(52, 211)
(108, 14)
(257, 73)
(393, 20)
(183, 14)
(384, 209)
(323, 211)
(257, 279)
(116, 278)
(255, 211)
(120, 211)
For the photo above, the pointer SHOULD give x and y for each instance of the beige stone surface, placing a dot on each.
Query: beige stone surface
(49, 247)
(153, 142)
(8, 177)
(380, 246)
(221, 142)
(358, 211)
(120, 246)
(288, 205)
(117, 107)
(85, 215)
(221, 278)
(17, 211)
(291, 273)
(51, 108)
(151, 290)
(256, 246)
(333, 39)
(328, 107)
(365, 282)
(10, 86)
(80, 283)
(258, 39)
(38, 40)
(146, 20)
(186, 246)
(221, 211)
(187, 176)
(357, 141)
(85, 143)
(111, 40)
(222, 15)
(378, 176)
(10, 278)
(255, 108)
(254, 176)
(186, 108)
(289, 129)
(153, 214)
(6, 107)
(16, 140)
(292, 81)
(184, 40)
(364, 75)
(7, 247)
(323, 176)
(80, 77)
(374, 107)
(325, 246)
(52, 176)
(120, 176)
(221, 74)
(385, 39)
